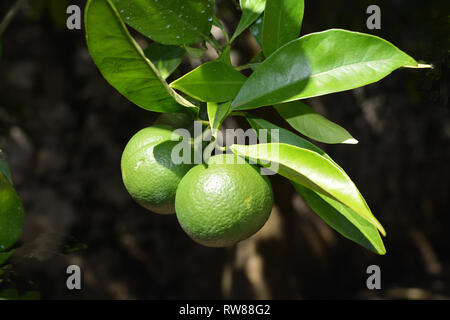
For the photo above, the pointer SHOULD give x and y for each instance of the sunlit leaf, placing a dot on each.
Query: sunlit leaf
(211, 82)
(217, 113)
(313, 125)
(282, 23)
(123, 63)
(251, 10)
(312, 171)
(318, 64)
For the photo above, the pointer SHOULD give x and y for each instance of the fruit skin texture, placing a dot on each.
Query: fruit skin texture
(222, 203)
(148, 172)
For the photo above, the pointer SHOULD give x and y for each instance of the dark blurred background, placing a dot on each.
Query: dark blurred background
(63, 129)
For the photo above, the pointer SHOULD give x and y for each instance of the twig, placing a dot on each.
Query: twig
(247, 66)
(10, 15)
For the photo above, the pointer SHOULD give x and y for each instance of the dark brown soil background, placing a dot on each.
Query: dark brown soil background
(63, 129)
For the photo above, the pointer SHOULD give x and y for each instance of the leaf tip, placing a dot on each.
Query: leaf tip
(350, 141)
(381, 229)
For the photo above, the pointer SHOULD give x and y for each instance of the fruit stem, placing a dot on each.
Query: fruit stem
(225, 33)
(213, 42)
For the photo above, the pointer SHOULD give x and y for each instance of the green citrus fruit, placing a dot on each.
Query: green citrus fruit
(148, 172)
(223, 202)
(11, 214)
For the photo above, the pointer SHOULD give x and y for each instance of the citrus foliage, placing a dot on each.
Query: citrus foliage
(288, 69)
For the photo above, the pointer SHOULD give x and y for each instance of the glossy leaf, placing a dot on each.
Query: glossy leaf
(225, 57)
(342, 219)
(123, 63)
(11, 214)
(282, 23)
(318, 64)
(211, 82)
(251, 10)
(311, 170)
(217, 113)
(313, 125)
(171, 22)
(256, 30)
(165, 58)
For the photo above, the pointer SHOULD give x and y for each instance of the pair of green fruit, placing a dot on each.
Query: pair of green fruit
(217, 204)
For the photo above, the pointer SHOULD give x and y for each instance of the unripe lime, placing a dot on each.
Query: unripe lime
(223, 202)
(148, 172)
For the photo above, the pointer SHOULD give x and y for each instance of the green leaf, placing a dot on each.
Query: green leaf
(284, 136)
(11, 214)
(211, 82)
(257, 59)
(313, 125)
(217, 113)
(4, 256)
(318, 64)
(282, 23)
(123, 63)
(251, 10)
(311, 170)
(166, 59)
(195, 52)
(4, 168)
(225, 57)
(172, 22)
(256, 30)
(342, 219)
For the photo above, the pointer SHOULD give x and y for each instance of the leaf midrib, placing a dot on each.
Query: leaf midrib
(314, 76)
(171, 93)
